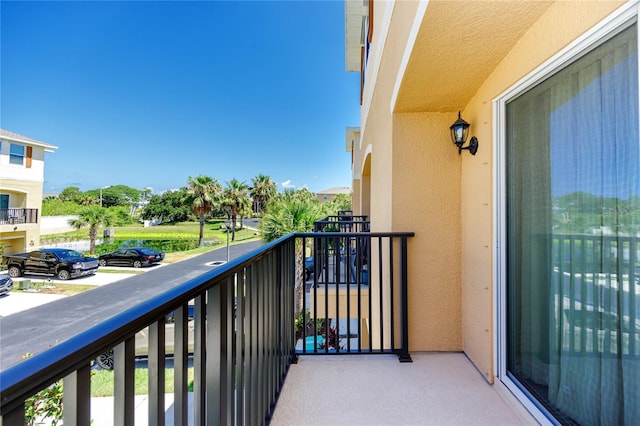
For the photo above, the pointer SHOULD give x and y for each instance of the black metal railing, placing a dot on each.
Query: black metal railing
(242, 347)
(345, 221)
(356, 300)
(235, 326)
(15, 216)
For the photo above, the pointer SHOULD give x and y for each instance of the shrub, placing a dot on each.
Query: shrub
(45, 405)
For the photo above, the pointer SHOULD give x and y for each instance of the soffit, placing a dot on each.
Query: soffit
(355, 15)
(458, 45)
(15, 137)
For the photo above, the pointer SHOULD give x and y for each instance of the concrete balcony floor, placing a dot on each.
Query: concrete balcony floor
(435, 389)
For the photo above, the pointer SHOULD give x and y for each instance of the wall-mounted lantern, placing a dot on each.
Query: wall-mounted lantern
(459, 134)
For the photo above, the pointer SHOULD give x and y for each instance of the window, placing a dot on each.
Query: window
(16, 154)
(571, 228)
(4, 207)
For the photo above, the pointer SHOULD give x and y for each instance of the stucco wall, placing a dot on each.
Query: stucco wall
(419, 182)
(27, 195)
(376, 121)
(426, 200)
(562, 23)
(20, 172)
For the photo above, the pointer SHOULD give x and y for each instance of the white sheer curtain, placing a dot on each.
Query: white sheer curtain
(573, 173)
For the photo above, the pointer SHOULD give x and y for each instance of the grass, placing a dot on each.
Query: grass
(105, 270)
(62, 289)
(102, 381)
(213, 230)
(214, 235)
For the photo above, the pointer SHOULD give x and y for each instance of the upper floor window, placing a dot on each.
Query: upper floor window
(16, 154)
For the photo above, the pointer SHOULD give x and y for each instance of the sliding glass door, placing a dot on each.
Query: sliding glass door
(572, 213)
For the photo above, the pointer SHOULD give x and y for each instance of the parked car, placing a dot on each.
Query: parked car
(132, 256)
(309, 267)
(6, 284)
(63, 263)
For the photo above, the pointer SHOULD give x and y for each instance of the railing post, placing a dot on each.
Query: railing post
(15, 417)
(216, 364)
(404, 350)
(199, 356)
(77, 397)
(180, 406)
(156, 367)
(124, 386)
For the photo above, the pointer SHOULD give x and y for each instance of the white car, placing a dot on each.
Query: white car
(6, 284)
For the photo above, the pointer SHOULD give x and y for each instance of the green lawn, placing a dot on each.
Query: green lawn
(102, 381)
(214, 236)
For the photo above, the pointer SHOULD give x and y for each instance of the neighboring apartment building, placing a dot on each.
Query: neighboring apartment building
(21, 182)
(510, 262)
(331, 193)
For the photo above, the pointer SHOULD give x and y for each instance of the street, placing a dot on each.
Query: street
(25, 334)
(18, 301)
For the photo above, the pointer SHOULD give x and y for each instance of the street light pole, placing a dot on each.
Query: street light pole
(227, 226)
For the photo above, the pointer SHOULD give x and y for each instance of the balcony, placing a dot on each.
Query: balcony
(243, 342)
(15, 216)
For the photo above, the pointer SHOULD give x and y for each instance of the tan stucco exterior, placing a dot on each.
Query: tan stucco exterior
(425, 65)
(23, 184)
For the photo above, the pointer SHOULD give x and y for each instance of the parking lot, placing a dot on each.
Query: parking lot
(20, 300)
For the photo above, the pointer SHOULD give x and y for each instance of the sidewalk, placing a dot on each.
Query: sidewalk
(17, 301)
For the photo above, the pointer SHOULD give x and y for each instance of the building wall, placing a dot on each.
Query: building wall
(562, 23)
(20, 172)
(376, 128)
(426, 200)
(419, 183)
(24, 186)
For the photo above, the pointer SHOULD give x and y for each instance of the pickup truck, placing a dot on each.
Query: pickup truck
(60, 262)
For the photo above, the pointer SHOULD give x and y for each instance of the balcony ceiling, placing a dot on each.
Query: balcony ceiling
(457, 47)
(355, 15)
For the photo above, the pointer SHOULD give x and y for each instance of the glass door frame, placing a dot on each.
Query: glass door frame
(621, 19)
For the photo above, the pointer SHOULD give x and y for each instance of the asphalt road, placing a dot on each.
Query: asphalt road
(23, 333)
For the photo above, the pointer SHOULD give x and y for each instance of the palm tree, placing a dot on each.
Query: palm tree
(235, 198)
(93, 217)
(262, 191)
(86, 200)
(202, 193)
(289, 213)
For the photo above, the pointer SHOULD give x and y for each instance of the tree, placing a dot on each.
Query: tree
(168, 207)
(202, 193)
(70, 193)
(262, 191)
(300, 194)
(340, 203)
(92, 217)
(56, 207)
(289, 213)
(116, 195)
(235, 198)
(85, 200)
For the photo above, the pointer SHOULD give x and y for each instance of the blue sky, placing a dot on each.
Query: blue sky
(148, 93)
